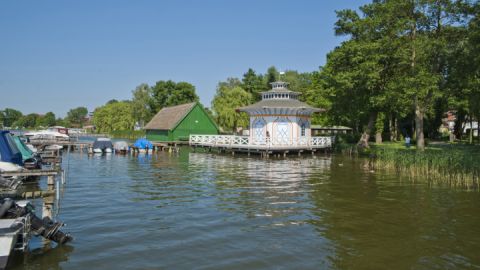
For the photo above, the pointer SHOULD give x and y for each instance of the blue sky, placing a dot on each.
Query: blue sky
(57, 55)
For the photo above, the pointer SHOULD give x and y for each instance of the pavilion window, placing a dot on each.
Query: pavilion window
(302, 130)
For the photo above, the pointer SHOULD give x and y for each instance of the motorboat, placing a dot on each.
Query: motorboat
(53, 147)
(13, 236)
(9, 184)
(31, 160)
(47, 135)
(9, 151)
(59, 129)
(143, 145)
(18, 221)
(120, 147)
(102, 145)
(32, 148)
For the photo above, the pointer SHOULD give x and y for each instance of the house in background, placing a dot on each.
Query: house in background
(173, 124)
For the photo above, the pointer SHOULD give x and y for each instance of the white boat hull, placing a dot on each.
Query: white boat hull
(8, 239)
(98, 150)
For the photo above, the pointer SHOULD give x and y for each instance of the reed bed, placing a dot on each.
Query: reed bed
(456, 166)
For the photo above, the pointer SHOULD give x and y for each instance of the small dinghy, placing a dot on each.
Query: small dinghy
(121, 147)
(102, 145)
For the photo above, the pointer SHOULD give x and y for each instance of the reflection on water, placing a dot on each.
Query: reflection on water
(41, 257)
(205, 211)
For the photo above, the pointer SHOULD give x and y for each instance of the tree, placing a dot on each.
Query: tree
(317, 96)
(27, 121)
(77, 116)
(114, 116)
(395, 60)
(9, 116)
(141, 103)
(224, 104)
(46, 120)
(112, 101)
(271, 76)
(425, 29)
(253, 84)
(168, 93)
(360, 71)
(298, 82)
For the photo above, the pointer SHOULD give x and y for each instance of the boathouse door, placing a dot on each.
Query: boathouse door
(282, 135)
(258, 131)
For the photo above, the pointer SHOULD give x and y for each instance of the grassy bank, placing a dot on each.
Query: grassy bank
(456, 165)
(127, 134)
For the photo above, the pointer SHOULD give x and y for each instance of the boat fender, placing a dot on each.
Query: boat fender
(6, 205)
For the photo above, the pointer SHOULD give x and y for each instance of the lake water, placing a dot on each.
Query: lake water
(207, 211)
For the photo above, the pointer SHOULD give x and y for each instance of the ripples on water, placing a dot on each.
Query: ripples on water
(205, 211)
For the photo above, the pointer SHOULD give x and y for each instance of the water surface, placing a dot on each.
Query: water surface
(206, 211)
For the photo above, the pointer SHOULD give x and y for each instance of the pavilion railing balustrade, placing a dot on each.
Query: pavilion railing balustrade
(246, 141)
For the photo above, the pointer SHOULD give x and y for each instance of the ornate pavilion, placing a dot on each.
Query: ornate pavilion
(279, 123)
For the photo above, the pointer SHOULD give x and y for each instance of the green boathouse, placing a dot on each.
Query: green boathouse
(176, 123)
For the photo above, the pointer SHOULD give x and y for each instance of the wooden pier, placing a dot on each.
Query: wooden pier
(55, 176)
(41, 144)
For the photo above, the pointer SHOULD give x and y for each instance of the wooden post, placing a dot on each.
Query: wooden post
(51, 180)
(47, 207)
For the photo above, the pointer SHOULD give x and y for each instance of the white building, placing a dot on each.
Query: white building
(279, 118)
(278, 123)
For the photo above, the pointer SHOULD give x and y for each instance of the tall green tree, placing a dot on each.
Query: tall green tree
(317, 95)
(253, 84)
(114, 116)
(271, 76)
(425, 26)
(170, 93)
(77, 116)
(141, 102)
(27, 121)
(360, 70)
(9, 116)
(226, 101)
(47, 120)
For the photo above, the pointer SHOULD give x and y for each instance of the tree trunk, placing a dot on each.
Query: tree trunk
(378, 138)
(478, 129)
(393, 128)
(471, 130)
(363, 142)
(458, 128)
(414, 134)
(398, 130)
(419, 114)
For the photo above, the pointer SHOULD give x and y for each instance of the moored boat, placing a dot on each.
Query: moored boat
(47, 135)
(31, 160)
(120, 147)
(9, 151)
(143, 145)
(102, 145)
(18, 221)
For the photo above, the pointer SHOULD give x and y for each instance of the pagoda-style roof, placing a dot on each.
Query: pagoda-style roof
(280, 100)
(280, 87)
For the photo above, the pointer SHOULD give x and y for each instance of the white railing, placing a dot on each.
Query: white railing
(247, 142)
